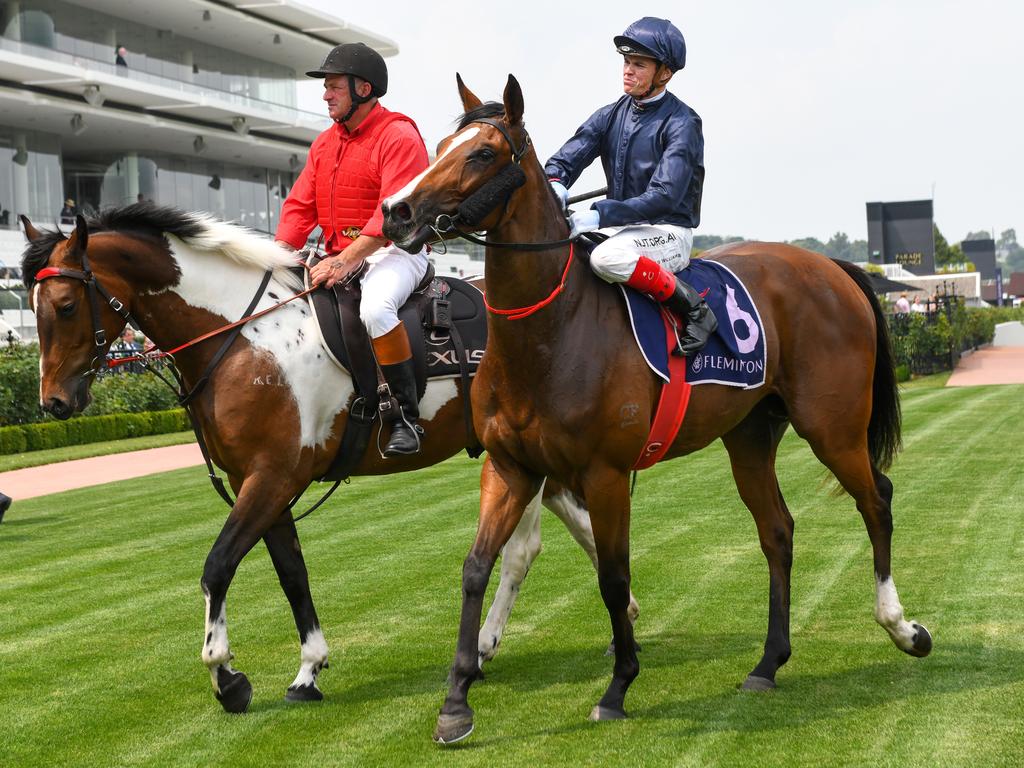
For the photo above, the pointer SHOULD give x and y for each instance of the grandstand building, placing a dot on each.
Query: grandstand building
(199, 109)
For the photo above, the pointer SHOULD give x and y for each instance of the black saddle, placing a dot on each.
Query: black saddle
(446, 322)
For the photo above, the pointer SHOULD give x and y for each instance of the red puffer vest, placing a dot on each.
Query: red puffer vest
(340, 189)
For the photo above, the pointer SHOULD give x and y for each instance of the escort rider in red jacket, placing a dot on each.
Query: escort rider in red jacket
(368, 154)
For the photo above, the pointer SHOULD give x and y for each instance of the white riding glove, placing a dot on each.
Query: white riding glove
(561, 193)
(584, 221)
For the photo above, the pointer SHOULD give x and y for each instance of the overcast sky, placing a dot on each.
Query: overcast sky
(810, 107)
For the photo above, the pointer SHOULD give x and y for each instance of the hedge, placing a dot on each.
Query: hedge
(90, 429)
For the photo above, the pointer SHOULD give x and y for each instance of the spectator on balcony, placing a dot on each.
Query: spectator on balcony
(119, 59)
(902, 304)
(67, 213)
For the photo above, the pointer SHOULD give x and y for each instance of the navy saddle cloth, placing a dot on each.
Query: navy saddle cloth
(735, 354)
(427, 316)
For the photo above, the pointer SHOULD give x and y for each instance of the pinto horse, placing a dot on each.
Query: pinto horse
(562, 369)
(273, 410)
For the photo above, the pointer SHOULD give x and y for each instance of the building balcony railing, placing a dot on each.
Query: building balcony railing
(189, 84)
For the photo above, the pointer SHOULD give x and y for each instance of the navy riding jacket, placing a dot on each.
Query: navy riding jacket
(653, 158)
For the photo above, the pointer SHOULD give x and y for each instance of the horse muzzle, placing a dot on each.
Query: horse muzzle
(400, 227)
(64, 404)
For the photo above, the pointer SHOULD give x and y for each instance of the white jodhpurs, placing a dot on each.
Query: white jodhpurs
(390, 279)
(665, 244)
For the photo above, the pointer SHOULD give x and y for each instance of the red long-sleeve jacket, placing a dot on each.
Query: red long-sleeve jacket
(348, 175)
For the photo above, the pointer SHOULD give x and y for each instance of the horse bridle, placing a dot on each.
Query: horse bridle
(446, 223)
(93, 290)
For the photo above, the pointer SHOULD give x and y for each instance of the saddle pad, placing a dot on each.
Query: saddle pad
(735, 354)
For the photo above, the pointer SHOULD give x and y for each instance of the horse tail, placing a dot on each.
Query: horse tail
(884, 428)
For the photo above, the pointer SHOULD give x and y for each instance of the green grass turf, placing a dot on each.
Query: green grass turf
(101, 621)
(71, 452)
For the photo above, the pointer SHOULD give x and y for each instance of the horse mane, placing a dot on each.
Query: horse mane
(148, 220)
(487, 109)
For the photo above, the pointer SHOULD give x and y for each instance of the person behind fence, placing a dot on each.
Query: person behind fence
(652, 148)
(917, 306)
(902, 304)
(67, 213)
(368, 154)
(126, 346)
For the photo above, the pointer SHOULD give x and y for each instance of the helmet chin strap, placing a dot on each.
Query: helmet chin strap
(654, 83)
(355, 99)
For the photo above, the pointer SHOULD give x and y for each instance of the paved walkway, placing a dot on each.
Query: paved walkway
(1002, 363)
(81, 473)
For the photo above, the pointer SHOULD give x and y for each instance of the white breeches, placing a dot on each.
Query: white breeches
(389, 281)
(665, 244)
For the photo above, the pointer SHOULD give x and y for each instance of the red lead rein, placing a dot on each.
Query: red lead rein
(520, 312)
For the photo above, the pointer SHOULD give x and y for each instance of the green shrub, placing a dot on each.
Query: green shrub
(90, 429)
(19, 384)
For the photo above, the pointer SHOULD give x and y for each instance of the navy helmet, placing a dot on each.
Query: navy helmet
(654, 38)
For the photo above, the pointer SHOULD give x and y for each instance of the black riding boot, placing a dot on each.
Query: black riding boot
(405, 432)
(700, 320)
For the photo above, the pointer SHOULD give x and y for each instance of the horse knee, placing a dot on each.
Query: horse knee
(614, 585)
(476, 572)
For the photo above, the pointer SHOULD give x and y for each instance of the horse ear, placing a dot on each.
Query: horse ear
(513, 101)
(78, 242)
(31, 232)
(469, 99)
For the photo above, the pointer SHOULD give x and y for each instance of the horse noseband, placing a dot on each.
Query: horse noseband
(495, 192)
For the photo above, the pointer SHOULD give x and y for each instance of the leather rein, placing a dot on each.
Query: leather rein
(94, 290)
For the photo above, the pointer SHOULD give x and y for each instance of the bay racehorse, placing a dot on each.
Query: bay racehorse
(561, 370)
(272, 412)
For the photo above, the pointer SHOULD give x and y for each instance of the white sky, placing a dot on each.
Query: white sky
(810, 107)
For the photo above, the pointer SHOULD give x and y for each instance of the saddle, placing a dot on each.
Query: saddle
(446, 322)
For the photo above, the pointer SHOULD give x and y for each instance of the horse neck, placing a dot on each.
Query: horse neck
(522, 278)
(192, 298)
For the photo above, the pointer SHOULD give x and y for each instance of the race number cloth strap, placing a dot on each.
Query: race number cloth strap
(735, 354)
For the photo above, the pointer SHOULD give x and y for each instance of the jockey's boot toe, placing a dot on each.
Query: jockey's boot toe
(405, 439)
(700, 324)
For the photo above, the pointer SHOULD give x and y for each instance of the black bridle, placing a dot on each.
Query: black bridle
(93, 290)
(499, 187)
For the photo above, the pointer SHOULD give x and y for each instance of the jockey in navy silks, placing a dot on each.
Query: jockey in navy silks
(652, 150)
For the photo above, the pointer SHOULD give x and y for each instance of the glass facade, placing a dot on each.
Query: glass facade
(30, 176)
(250, 196)
(63, 27)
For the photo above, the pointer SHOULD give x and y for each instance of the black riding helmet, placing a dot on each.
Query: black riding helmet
(355, 60)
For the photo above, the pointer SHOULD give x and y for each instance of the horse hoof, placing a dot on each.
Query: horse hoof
(599, 713)
(922, 642)
(300, 693)
(756, 683)
(235, 691)
(452, 728)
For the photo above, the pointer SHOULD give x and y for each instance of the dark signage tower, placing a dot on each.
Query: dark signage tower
(902, 233)
(983, 254)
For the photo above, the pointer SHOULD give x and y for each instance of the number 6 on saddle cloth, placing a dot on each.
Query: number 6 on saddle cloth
(446, 322)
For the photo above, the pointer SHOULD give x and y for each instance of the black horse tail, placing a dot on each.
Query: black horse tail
(884, 428)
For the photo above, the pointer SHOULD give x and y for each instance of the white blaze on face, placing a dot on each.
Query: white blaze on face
(408, 189)
(287, 340)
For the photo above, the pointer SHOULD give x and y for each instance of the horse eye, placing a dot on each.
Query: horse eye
(484, 155)
(67, 310)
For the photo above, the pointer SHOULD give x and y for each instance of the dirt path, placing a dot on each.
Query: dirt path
(67, 475)
(1002, 363)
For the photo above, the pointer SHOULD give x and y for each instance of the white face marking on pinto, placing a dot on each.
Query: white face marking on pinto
(408, 189)
(288, 337)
